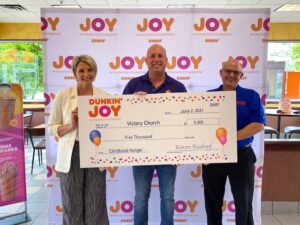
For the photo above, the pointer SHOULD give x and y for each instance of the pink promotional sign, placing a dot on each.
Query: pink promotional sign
(12, 163)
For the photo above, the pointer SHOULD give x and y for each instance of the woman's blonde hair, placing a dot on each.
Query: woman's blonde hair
(86, 59)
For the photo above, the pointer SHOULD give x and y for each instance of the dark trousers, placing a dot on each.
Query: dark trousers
(83, 193)
(241, 178)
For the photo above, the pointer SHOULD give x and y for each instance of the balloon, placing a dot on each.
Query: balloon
(221, 132)
(93, 134)
(223, 140)
(95, 137)
(97, 141)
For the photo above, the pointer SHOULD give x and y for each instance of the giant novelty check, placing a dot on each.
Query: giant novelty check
(170, 128)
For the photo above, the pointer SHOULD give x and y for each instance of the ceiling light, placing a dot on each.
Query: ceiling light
(289, 8)
(62, 5)
(12, 6)
(67, 6)
(181, 6)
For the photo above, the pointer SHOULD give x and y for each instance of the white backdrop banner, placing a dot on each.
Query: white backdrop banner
(197, 42)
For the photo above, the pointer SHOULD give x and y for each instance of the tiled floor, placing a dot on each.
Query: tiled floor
(284, 213)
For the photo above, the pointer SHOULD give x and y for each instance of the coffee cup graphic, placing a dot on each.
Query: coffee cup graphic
(8, 180)
(7, 111)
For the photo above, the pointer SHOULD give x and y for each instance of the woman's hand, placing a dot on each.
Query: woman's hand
(67, 128)
(74, 116)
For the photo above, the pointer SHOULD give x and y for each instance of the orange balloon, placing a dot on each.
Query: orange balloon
(97, 141)
(221, 132)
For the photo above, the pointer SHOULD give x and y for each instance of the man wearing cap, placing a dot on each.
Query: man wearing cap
(250, 120)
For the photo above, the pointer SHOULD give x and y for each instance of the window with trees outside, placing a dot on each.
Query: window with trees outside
(283, 74)
(21, 62)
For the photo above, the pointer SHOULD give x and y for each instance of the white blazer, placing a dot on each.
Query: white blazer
(64, 102)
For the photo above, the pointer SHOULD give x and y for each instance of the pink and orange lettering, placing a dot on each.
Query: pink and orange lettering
(182, 206)
(105, 107)
(252, 60)
(125, 207)
(182, 62)
(230, 206)
(112, 171)
(67, 61)
(98, 24)
(53, 23)
(212, 24)
(197, 173)
(261, 24)
(259, 171)
(155, 24)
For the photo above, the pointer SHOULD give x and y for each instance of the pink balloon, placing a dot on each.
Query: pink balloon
(223, 140)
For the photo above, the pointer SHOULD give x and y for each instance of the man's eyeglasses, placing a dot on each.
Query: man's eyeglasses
(235, 73)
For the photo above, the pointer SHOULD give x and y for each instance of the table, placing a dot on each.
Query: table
(26, 115)
(37, 109)
(40, 126)
(33, 107)
(273, 112)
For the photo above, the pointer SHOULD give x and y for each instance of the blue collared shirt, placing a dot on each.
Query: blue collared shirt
(249, 109)
(143, 83)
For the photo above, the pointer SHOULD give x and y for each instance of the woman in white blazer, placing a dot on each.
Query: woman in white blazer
(83, 190)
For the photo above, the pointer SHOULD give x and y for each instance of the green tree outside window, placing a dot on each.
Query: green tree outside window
(21, 62)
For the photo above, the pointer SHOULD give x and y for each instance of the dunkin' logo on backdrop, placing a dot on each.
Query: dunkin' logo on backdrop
(63, 62)
(186, 206)
(259, 171)
(127, 206)
(127, 62)
(247, 62)
(260, 25)
(51, 171)
(98, 25)
(184, 62)
(197, 172)
(212, 25)
(174, 62)
(228, 206)
(49, 23)
(112, 171)
(155, 25)
(48, 97)
(104, 107)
